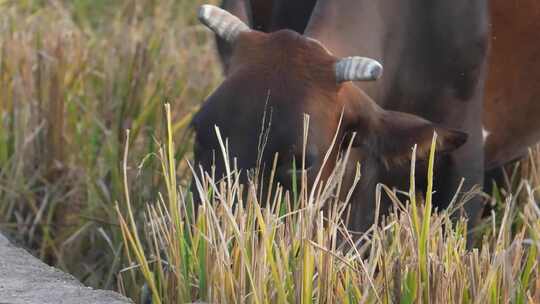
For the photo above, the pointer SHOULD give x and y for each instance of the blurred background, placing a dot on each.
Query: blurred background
(74, 74)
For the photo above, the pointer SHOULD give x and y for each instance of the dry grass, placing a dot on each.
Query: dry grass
(73, 76)
(234, 251)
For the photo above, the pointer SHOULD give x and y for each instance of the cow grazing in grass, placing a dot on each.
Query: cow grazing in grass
(434, 53)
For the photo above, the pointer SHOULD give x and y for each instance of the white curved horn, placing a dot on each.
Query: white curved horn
(224, 24)
(358, 69)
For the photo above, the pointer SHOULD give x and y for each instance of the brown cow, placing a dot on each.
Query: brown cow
(434, 74)
(512, 91)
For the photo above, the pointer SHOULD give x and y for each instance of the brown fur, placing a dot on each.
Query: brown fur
(512, 101)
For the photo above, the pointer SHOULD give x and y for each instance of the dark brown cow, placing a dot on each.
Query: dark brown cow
(512, 87)
(434, 52)
(512, 91)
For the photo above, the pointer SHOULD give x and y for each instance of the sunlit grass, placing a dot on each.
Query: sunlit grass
(73, 76)
(233, 250)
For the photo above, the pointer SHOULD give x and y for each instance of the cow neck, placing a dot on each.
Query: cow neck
(334, 23)
(343, 26)
(421, 44)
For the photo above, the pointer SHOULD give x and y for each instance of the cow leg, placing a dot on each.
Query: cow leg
(495, 178)
(467, 164)
(500, 177)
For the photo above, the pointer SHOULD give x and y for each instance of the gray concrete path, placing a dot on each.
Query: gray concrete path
(26, 280)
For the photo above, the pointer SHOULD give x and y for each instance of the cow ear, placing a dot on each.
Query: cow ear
(396, 133)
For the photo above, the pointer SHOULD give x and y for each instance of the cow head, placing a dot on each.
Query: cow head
(277, 77)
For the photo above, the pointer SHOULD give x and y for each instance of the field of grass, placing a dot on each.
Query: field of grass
(73, 76)
(76, 74)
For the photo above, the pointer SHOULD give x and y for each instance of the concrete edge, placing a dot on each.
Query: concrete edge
(27, 280)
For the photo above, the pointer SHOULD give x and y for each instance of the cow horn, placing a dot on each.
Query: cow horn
(358, 69)
(224, 24)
